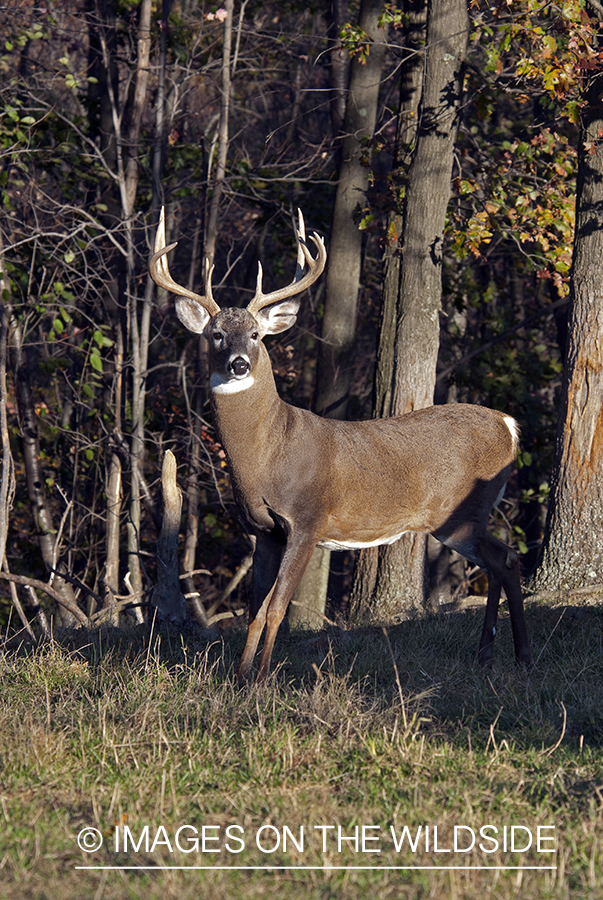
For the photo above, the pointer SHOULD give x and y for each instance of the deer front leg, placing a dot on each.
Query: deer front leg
(266, 563)
(293, 566)
(254, 633)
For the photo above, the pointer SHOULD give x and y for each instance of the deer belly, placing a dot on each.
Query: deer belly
(359, 545)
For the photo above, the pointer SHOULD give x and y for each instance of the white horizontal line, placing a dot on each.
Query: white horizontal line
(325, 868)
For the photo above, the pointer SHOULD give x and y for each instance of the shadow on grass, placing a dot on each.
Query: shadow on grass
(425, 667)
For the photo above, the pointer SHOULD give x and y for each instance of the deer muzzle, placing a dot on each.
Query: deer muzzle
(239, 366)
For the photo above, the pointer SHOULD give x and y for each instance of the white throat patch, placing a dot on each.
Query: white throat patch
(231, 386)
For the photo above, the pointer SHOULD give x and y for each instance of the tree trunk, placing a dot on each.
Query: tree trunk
(28, 426)
(335, 358)
(212, 222)
(111, 576)
(572, 552)
(345, 252)
(139, 334)
(339, 62)
(167, 597)
(393, 578)
(411, 84)
(7, 479)
(130, 334)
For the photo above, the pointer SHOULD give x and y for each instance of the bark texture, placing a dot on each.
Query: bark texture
(167, 597)
(393, 578)
(572, 552)
(345, 251)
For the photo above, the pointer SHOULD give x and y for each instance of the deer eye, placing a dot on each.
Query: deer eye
(217, 335)
(254, 336)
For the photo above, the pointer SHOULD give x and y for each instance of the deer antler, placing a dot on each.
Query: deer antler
(160, 273)
(300, 281)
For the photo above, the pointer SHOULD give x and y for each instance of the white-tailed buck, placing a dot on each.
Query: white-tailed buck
(301, 481)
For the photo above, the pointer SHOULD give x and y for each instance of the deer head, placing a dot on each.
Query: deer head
(234, 335)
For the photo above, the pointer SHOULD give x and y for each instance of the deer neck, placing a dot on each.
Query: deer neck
(246, 413)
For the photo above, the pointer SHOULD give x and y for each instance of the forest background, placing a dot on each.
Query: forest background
(233, 117)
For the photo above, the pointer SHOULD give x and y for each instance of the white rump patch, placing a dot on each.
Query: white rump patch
(231, 385)
(513, 428)
(359, 545)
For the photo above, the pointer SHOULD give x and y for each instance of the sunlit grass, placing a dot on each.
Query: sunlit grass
(112, 730)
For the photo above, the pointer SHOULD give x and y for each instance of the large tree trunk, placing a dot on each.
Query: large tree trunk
(394, 578)
(336, 351)
(345, 251)
(572, 552)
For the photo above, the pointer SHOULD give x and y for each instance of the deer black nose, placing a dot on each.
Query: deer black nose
(239, 366)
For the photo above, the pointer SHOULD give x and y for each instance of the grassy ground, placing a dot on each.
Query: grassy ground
(150, 733)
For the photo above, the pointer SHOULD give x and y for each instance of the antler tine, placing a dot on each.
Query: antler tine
(160, 273)
(301, 240)
(300, 281)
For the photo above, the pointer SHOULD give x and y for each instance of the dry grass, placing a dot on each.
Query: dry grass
(138, 730)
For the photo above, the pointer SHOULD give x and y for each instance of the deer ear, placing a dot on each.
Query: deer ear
(277, 317)
(192, 315)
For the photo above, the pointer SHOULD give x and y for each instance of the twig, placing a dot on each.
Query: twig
(491, 735)
(550, 636)
(42, 586)
(146, 665)
(561, 736)
(21, 613)
(400, 694)
(234, 581)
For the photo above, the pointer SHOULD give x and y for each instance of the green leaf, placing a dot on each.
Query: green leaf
(96, 363)
(101, 340)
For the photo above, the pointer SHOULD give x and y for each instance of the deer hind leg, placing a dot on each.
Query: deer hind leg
(486, 643)
(502, 567)
(512, 588)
